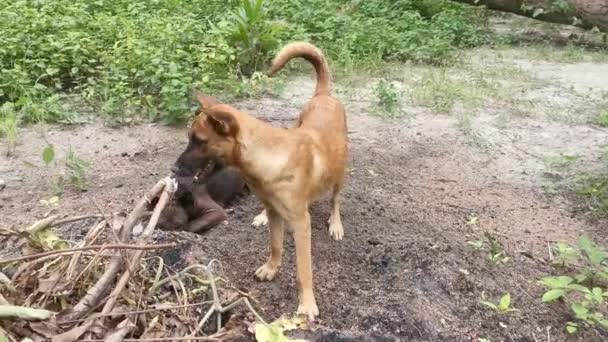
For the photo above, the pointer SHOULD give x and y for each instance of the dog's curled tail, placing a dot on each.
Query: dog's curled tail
(310, 53)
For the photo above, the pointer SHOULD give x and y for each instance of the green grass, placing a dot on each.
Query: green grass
(601, 119)
(566, 54)
(388, 99)
(141, 59)
(469, 87)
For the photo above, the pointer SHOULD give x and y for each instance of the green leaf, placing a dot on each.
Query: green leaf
(598, 295)
(51, 71)
(47, 240)
(571, 329)
(584, 242)
(268, 333)
(552, 295)
(580, 311)
(505, 302)
(579, 288)
(557, 282)
(490, 305)
(48, 154)
(537, 11)
(595, 254)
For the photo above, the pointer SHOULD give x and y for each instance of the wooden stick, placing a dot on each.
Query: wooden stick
(88, 248)
(91, 236)
(138, 312)
(170, 185)
(52, 221)
(95, 293)
(74, 219)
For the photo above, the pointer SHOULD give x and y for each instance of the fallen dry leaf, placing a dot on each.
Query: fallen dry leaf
(123, 328)
(73, 334)
(47, 329)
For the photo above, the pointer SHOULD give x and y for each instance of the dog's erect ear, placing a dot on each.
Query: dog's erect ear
(206, 101)
(224, 124)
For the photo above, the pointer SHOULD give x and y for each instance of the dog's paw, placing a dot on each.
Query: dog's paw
(309, 309)
(336, 230)
(266, 272)
(261, 219)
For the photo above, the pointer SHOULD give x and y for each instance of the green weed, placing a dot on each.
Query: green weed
(595, 188)
(495, 252)
(77, 170)
(8, 125)
(73, 170)
(253, 34)
(559, 162)
(601, 119)
(503, 305)
(571, 53)
(141, 59)
(388, 99)
(585, 291)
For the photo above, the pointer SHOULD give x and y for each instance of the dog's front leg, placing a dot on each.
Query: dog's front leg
(301, 231)
(270, 268)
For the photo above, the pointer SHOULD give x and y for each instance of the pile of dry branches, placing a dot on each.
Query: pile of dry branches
(104, 289)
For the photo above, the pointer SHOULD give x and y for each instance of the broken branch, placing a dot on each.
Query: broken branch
(87, 248)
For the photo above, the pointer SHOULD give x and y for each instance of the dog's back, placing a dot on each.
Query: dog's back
(323, 117)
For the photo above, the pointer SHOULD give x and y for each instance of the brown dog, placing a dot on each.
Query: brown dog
(286, 168)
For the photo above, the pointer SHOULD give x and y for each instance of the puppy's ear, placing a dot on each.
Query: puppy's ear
(224, 124)
(205, 101)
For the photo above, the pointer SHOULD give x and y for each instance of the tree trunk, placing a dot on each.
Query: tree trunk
(588, 13)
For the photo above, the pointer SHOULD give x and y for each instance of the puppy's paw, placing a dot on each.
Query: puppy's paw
(261, 219)
(336, 230)
(309, 309)
(266, 272)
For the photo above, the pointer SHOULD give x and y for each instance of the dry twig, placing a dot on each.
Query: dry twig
(95, 293)
(87, 248)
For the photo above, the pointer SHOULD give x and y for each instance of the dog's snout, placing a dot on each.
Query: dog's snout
(175, 168)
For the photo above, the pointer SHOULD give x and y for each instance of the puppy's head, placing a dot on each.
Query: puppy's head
(213, 135)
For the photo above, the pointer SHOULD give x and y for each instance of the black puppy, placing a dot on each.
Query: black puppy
(201, 196)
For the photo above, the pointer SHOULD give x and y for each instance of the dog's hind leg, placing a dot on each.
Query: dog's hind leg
(277, 229)
(336, 230)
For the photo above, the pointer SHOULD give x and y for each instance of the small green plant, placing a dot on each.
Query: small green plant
(75, 168)
(8, 125)
(584, 291)
(388, 98)
(564, 254)
(601, 119)
(559, 162)
(496, 254)
(595, 188)
(253, 34)
(48, 154)
(503, 305)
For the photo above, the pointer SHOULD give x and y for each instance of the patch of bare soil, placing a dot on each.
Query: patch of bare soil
(418, 190)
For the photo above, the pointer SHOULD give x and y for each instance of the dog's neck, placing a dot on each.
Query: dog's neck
(261, 155)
